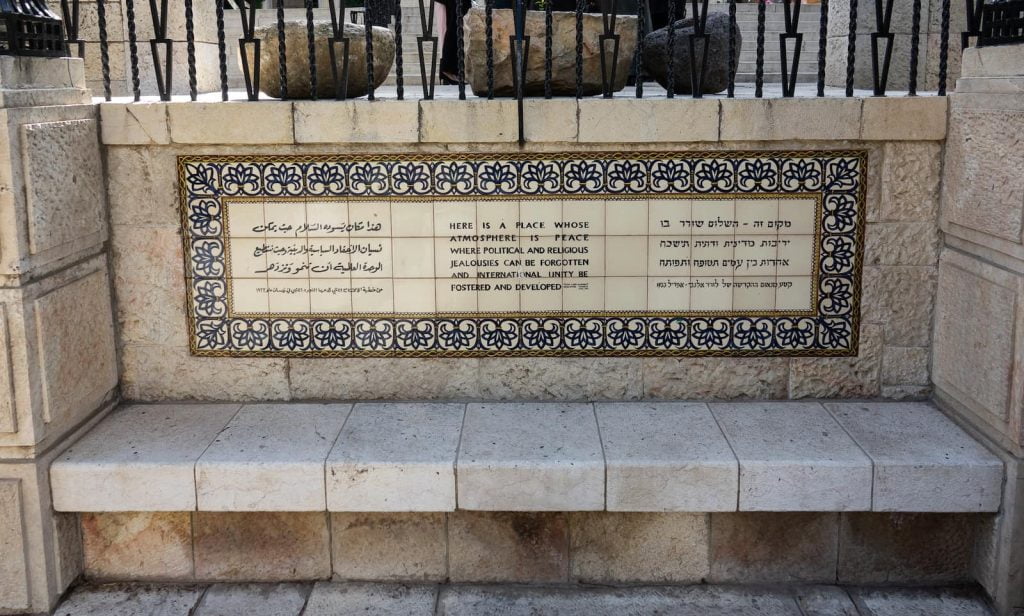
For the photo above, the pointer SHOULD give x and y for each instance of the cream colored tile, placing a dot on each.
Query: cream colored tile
(542, 258)
(583, 295)
(331, 296)
(500, 256)
(285, 219)
(414, 295)
(586, 255)
(753, 216)
(626, 255)
(370, 218)
(454, 218)
(456, 295)
(289, 296)
(497, 216)
(244, 260)
(244, 218)
(626, 217)
(248, 295)
(794, 293)
(588, 213)
(286, 258)
(798, 250)
(412, 218)
(753, 293)
(669, 255)
(538, 216)
(622, 293)
(710, 294)
(709, 255)
(501, 296)
(327, 218)
(714, 216)
(800, 215)
(668, 293)
(757, 254)
(670, 216)
(372, 295)
(371, 258)
(413, 257)
(329, 257)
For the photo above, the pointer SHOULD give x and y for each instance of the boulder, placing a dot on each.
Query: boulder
(563, 52)
(297, 52)
(716, 79)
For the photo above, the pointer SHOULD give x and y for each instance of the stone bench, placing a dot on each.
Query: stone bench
(637, 456)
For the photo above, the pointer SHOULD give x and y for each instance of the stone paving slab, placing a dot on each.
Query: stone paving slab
(919, 602)
(922, 460)
(270, 457)
(253, 600)
(131, 600)
(334, 599)
(396, 457)
(824, 601)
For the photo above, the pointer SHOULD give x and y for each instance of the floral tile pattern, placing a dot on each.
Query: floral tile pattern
(835, 179)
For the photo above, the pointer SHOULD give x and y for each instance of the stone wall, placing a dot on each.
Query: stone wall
(903, 137)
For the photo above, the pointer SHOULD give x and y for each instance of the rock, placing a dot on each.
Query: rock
(297, 48)
(716, 79)
(563, 52)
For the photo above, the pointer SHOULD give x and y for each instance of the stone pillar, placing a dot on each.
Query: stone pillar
(978, 362)
(899, 69)
(58, 366)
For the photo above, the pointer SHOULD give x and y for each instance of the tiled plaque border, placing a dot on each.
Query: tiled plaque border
(836, 178)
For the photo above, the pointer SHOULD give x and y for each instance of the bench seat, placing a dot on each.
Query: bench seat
(635, 456)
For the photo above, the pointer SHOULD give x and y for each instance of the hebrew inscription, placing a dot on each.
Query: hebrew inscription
(654, 254)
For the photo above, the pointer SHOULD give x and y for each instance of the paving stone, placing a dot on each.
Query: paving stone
(824, 601)
(270, 457)
(130, 600)
(794, 457)
(761, 548)
(389, 547)
(253, 600)
(141, 458)
(922, 460)
(530, 457)
(395, 457)
(329, 599)
(907, 602)
(666, 457)
(636, 601)
(508, 547)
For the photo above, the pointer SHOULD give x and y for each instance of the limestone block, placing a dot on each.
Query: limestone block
(905, 365)
(902, 243)
(235, 122)
(384, 121)
(117, 60)
(76, 355)
(919, 602)
(27, 81)
(910, 118)
(568, 378)
(530, 457)
(142, 188)
(64, 192)
(255, 547)
(906, 548)
(14, 590)
(981, 189)
(270, 457)
(207, 69)
(754, 548)
(383, 379)
(150, 285)
(615, 548)
(395, 457)
(137, 546)
(976, 321)
(468, 121)
(551, 120)
(204, 18)
(134, 124)
(383, 599)
(794, 457)
(253, 600)
(666, 457)
(629, 120)
(141, 458)
(88, 25)
(398, 547)
(902, 300)
(710, 377)
(841, 376)
(998, 61)
(131, 600)
(790, 119)
(825, 601)
(922, 461)
(910, 178)
(159, 373)
(508, 547)
(8, 410)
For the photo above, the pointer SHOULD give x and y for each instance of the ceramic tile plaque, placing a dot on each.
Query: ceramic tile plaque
(730, 253)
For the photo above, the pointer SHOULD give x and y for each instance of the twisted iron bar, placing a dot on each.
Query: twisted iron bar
(822, 46)
(399, 72)
(670, 78)
(311, 49)
(190, 45)
(851, 49)
(370, 78)
(222, 51)
(638, 62)
(733, 64)
(915, 41)
(579, 48)
(759, 68)
(944, 48)
(282, 53)
(548, 48)
(460, 36)
(609, 20)
(101, 18)
(489, 36)
(133, 48)
(880, 66)
(790, 71)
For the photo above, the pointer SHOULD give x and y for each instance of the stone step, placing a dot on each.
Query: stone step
(331, 598)
(757, 456)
